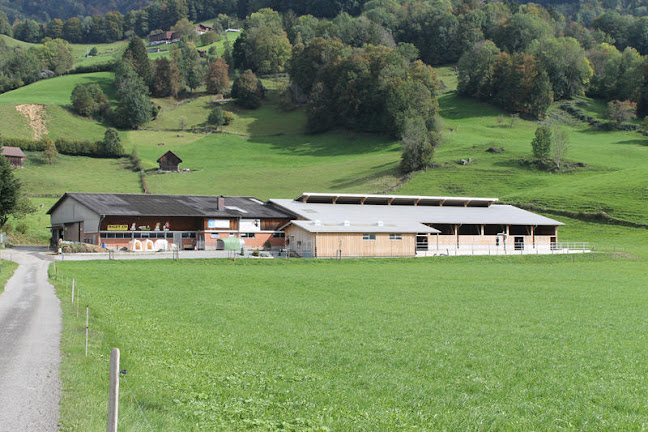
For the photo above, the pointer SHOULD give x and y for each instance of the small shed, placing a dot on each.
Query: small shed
(14, 155)
(169, 161)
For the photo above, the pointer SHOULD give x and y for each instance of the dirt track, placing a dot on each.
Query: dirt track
(36, 116)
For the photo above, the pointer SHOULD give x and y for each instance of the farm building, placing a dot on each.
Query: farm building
(201, 29)
(154, 222)
(14, 155)
(169, 161)
(329, 225)
(164, 38)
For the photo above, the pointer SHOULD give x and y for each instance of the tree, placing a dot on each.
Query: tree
(133, 107)
(28, 31)
(418, 145)
(217, 78)
(541, 144)
(166, 80)
(9, 191)
(56, 56)
(248, 90)
(82, 101)
(93, 52)
(136, 53)
(73, 30)
(184, 28)
(521, 29)
(621, 111)
(188, 60)
(111, 145)
(54, 29)
(49, 151)
(476, 68)
(263, 46)
(559, 146)
(5, 27)
(217, 117)
(565, 63)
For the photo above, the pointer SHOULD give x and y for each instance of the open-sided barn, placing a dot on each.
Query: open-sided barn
(153, 222)
(329, 225)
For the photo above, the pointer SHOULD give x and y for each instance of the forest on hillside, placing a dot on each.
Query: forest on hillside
(579, 10)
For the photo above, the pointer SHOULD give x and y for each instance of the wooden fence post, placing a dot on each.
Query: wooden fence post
(113, 397)
(87, 323)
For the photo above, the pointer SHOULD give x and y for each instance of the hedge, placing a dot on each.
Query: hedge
(64, 146)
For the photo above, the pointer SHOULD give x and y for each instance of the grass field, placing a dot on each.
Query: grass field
(57, 91)
(8, 268)
(516, 343)
(77, 174)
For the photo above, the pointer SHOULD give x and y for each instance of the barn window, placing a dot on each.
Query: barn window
(279, 235)
(368, 236)
(248, 235)
(395, 237)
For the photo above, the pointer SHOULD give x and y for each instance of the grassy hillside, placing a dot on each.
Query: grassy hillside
(219, 345)
(57, 91)
(614, 180)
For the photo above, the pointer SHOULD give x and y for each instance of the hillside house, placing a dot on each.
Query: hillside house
(358, 225)
(169, 161)
(14, 155)
(152, 222)
(164, 38)
(201, 29)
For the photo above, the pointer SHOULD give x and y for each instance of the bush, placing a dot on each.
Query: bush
(217, 117)
(22, 228)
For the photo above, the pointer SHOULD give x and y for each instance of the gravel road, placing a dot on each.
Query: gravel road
(30, 335)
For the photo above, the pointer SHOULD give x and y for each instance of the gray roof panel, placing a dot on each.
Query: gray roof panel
(173, 205)
(399, 214)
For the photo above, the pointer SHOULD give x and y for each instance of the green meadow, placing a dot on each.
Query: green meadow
(8, 268)
(460, 343)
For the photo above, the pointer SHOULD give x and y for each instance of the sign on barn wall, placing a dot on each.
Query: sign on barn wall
(250, 225)
(218, 223)
(117, 227)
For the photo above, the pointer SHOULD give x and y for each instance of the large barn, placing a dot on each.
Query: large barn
(358, 225)
(311, 225)
(153, 222)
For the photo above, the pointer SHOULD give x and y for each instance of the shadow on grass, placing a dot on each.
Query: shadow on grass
(457, 107)
(330, 144)
(377, 172)
(643, 142)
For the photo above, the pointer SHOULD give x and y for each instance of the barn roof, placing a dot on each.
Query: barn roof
(170, 154)
(172, 205)
(418, 200)
(412, 214)
(13, 152)
(376, 227)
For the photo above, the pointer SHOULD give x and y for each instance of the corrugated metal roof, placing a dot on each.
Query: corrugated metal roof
(400, 214)
(422, 200)
(173, 205)
(316, 226)
(13, 152)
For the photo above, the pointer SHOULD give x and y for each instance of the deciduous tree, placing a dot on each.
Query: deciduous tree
(217, 78)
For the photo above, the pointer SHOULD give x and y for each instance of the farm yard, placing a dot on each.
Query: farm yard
(360, 344)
